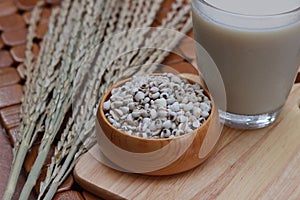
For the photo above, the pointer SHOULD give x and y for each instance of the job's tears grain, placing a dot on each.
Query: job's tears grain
(162, 106)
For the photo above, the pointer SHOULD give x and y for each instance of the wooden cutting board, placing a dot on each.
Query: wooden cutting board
(257, 164)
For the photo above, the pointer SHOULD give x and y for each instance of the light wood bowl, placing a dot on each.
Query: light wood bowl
(157, 156)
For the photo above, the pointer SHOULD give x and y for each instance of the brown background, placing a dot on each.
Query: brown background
(14, 19)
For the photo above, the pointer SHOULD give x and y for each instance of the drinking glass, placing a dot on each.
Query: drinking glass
(257, 55)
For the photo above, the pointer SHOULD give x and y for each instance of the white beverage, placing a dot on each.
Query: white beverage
(257, 56)
(256, 7)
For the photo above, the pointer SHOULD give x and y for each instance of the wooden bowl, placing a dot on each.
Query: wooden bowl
(157, 156)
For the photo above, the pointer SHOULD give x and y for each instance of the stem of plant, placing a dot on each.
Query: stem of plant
(56, 182)
(15, 171)
(17, 164)
(34, 172)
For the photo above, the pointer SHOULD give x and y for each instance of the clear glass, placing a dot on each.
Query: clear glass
(257, 55)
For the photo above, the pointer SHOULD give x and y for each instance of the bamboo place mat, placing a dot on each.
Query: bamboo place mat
(14, 20)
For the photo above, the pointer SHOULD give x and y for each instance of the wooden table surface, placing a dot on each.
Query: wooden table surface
(14, 19)
(258, 164)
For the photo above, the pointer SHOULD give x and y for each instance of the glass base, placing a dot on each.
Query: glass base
(248, 121)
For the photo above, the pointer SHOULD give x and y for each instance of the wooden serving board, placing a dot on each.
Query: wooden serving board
(257, 164)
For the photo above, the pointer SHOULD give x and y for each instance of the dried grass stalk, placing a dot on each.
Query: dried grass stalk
(82, 135)
(15, 171)
(71, 59)
(62, 95)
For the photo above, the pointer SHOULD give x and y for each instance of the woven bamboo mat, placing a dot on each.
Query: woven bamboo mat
(14, 20)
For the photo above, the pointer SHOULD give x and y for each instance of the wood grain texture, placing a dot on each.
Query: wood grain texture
(11, 22)
(8, 76)
(67, 184)
(10, 116)
(18, 52)
(41, 30)
(14, 37)
(68, 195)
(10, 95)
(7, 7)
(5, 58)
(13, 134)
(257, 164)
(5, 160)
(21, 71)
(89, 196)
(26, 4)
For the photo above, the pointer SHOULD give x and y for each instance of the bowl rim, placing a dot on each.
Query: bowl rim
(100, 111)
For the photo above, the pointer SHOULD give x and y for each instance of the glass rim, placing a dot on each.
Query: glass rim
(249, 15)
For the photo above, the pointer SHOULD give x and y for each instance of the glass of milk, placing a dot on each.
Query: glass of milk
(256, 47)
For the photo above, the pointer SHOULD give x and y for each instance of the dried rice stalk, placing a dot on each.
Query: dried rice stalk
(61, 149)
(62, 97)
(15, 171)
(75, 144)
(39, 84)
(70, 42)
